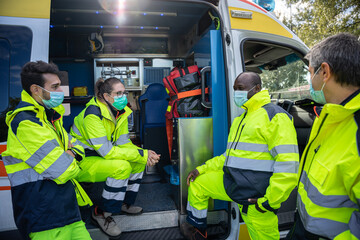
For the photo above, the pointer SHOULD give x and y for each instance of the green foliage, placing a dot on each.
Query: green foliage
(318, 19)
(286, 80)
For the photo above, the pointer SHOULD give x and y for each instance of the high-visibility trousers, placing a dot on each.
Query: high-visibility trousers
(74, 231)
(261, 226)
(122, 180)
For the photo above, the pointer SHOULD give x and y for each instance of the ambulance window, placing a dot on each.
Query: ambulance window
(4, 73)
(282, 70)
(15, 51)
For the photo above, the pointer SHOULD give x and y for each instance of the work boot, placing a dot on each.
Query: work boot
(130, 209)
(106, 223)
(192, 233)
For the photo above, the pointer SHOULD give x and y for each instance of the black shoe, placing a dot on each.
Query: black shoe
(192, 233)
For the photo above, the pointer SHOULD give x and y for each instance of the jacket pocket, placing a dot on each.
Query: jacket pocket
(319, 172)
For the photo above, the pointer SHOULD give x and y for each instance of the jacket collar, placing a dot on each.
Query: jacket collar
(337, 113)
(257, 101)
(105, 111)
(28, 103)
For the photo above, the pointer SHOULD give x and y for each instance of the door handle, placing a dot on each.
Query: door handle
(203, 101)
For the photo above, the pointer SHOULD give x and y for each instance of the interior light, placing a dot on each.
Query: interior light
(121, 19)
(121, 5)
(119, 11)
(51, 26)
(113, 26)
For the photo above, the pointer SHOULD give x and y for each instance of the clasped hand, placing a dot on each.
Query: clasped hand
(153, 158)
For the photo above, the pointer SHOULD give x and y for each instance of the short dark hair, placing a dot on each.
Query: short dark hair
(342, 53)
(105, 86)
(32, 73)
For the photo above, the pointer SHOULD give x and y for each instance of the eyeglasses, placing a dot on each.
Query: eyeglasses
(120, 93)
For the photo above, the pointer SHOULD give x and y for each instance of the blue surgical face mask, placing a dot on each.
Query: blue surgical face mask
(120, 102)
(317, 95)
(56, 98)
(240, 97)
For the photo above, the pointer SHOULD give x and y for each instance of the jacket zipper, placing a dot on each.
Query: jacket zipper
(52, 126)
(317, 149)
(227, 157)
(315, 152)
(237, 141)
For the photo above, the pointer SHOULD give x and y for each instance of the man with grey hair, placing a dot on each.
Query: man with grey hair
(328, 200)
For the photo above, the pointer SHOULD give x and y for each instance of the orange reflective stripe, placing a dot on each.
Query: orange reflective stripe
(2, 148)
(191, 93)
(2, 169)
(3, 188)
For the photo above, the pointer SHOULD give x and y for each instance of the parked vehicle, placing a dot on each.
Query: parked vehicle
(140, 42)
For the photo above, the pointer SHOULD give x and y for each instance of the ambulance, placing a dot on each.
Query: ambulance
(140, 42)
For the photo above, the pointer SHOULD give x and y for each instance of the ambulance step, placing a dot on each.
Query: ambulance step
(147, 221)
(214, 232)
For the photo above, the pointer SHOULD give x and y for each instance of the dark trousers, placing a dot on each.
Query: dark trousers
(298, 232)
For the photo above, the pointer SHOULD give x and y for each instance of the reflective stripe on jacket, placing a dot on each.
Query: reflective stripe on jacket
(329, 183)
(95, 128)
(261, 160)
(38, 168)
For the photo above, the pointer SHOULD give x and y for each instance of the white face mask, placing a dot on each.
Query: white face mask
(240, 97)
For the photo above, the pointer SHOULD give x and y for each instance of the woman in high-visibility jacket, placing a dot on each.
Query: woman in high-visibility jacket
(328, 198)
(102, 127)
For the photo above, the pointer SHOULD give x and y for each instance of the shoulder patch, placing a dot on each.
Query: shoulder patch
(273, 109)
(92, 109)
(357, 120)
(21, 116)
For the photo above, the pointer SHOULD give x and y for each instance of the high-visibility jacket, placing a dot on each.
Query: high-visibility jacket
(329, 177)
(261, 160)
(38, 168)
(97, 130)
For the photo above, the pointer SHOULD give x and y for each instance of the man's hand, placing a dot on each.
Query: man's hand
(153, 158)
(192, 176)
(70, 145)
(254, 201)
(70, 153)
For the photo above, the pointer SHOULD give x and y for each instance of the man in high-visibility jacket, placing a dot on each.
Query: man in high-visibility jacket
(258, 169)
(40, 159)
(328, 199)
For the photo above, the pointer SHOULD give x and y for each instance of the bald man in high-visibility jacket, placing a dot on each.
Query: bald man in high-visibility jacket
(258, 169)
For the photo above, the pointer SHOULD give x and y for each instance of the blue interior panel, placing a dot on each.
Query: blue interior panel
(219, 103)
(79, 74)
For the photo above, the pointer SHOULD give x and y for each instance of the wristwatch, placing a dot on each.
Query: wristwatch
(77, 156)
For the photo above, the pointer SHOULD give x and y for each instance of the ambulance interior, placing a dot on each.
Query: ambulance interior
(140, 43)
